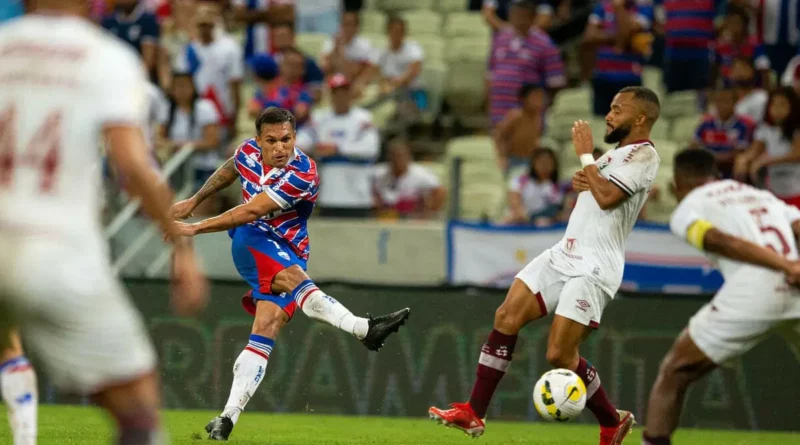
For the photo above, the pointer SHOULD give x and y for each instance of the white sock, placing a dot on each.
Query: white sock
(248, 372)
(322, 307)
(18, 387)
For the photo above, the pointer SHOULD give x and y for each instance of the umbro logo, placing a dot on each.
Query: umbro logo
(583, 305)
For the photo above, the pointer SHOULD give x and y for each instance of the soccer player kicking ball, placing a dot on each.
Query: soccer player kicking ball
(270, 248)
(579, 276)
(751, 235)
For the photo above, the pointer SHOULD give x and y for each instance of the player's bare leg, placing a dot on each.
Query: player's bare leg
(520, 307)
(372, 332)
(250, 367)
(563, 352)
(18, 389)
(134, 406)
(684, 364)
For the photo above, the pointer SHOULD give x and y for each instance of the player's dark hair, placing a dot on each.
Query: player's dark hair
(792, 122)
(274, 115)
(695, 163)
(355, 14)
(652, 106)
(395, 19)
(173, 104)
(526, 89)
(544, 152)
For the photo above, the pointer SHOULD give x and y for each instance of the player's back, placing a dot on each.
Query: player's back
(742, 211)
(61, 80)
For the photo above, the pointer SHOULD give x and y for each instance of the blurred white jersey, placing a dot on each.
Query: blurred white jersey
(61, 80)
(742, 211)
(594, 243)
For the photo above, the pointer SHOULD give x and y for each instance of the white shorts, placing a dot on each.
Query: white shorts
(740, 316)
(72, 313)
(576, 298)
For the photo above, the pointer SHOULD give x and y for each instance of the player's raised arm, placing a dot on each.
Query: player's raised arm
(220, 180)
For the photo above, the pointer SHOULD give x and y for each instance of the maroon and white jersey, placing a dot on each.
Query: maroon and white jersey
(62, 79)
(594, 243)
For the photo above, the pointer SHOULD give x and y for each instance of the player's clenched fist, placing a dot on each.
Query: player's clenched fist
(183, 209)
(579, 182)
(582, 138)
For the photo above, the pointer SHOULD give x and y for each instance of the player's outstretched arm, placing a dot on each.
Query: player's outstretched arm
(262, 204)
(221, 179)
(706, 237)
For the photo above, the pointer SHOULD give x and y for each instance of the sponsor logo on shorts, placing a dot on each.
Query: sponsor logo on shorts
(283, 255)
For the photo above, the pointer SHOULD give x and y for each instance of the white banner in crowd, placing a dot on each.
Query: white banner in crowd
(656, 261)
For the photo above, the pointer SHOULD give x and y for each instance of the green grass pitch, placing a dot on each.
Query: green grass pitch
(66, 425)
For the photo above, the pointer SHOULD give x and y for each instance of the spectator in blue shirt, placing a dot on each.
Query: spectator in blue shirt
(10, 9)
(132, 23)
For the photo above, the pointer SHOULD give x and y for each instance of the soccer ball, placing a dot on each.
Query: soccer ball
(559, 395)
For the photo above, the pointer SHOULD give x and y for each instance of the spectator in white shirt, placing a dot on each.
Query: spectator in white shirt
(350, 54)
(318, 16)
(401, 63)
(776, 147)
(189, 119)
(751, 100)
(346, 145)
(215, 61)
(534, 196)
(405, 189)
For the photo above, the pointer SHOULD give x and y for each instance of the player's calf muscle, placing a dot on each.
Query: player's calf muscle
(269, 320)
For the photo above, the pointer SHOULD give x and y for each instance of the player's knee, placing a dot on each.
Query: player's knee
(506, 320)
(560, 357)
(288, 279)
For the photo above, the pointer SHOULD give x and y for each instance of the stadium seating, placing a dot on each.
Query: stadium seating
(373, 22)
(683, 129)
(434, 75)
(660, 130)
(422, 22)
(679, 104)
(432, 47)
(464, 88)
(666, 151)
(378, 41)
(572, 100)
(404, 5)
(661, 203)
(311, 43)
(466, 24)
(449, 6)
(471, 148)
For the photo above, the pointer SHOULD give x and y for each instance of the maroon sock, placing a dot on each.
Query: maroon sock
(138, 429)
(597, 400)
(494, 360)
(647, 440)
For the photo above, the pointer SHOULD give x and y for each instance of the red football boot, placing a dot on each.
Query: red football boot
(460, 416)
(614, 435)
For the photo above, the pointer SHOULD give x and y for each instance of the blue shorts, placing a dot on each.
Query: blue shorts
(258, 257)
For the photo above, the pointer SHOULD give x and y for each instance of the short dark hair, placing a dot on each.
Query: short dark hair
(652, 106)
(695, 163)
(526, 89)
(790, 125)
(356, 14)
(528, 5)
(274, 115)
(395, 19)
(545, 152)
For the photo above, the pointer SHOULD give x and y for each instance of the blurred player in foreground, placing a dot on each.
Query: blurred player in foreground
(64, 85)
(270, 248)
(580, 275)
(751, 235)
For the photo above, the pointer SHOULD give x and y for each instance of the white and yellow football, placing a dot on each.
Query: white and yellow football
(559, 396)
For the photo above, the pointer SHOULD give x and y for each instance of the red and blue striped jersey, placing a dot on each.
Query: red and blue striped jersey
(778, 22)
(612, 65)
(518, 60)
(689, 28)
(725, 50)
(294, 188)
(725, 137)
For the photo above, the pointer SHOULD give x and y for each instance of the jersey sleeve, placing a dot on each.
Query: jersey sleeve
(427, 179)
(207, 113)
(760, 58)
(645, 14)
(688, 212)
(553, 67)
(596, 17)
(415, 52)
(637, 171)
(761, 134)
(121, 87)
(291, 188)
(151, 31)
(327, 47)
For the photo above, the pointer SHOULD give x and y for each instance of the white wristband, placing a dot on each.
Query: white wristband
(586, 159)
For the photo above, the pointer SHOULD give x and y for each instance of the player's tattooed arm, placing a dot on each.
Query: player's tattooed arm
(261, 204)
(221, 179)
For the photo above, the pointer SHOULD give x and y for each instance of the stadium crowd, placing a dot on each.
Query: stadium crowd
(350, 71)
